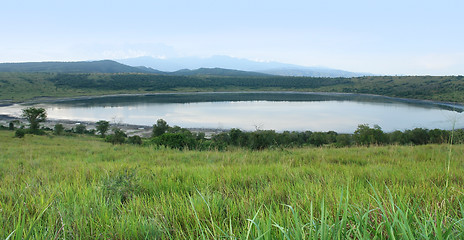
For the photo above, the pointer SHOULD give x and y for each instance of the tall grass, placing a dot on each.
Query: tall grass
(81, 187)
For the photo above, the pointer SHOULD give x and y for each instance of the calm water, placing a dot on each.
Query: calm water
(249, 111)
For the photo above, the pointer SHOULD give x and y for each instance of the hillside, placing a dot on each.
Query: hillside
(23, 86)
(103, 66)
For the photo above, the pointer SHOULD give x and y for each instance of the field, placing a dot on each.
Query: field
(79, 187)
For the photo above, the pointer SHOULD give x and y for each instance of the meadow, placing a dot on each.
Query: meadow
(80, 187)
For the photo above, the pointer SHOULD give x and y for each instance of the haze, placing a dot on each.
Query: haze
(381, 37)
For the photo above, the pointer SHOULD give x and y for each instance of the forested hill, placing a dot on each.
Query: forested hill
(103, 66)
(24, 86)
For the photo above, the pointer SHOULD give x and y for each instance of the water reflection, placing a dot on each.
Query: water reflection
(249, 111)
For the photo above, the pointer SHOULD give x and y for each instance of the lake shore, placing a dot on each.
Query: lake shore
(8, 102)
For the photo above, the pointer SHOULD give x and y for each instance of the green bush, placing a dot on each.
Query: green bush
(20, 133)
(137, 140)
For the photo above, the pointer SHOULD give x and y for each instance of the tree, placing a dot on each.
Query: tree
(58, 129)
(118, 137)
(34, 116)
(80, 129)
(102, 127)
(364, 135)
(11, 126)
(160, 128)
(136, 140)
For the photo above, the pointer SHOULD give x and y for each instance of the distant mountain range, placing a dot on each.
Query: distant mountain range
(226, 62)
(104, 66)
(214, 66)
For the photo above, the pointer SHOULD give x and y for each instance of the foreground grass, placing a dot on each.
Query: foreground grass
(81, 187)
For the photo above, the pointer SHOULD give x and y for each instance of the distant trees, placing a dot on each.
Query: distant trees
(34, 116)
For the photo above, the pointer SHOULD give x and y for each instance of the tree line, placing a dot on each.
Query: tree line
(182, 138)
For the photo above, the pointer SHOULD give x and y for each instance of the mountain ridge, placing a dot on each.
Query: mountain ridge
(226, 62)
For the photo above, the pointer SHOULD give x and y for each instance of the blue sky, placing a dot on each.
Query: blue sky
(382, 37)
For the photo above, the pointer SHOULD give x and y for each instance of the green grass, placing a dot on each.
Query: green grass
(81, 187)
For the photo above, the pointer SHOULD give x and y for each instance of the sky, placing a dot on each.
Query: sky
(381, 37)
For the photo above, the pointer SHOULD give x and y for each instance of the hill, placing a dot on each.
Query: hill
(273, 68)
(103, 66)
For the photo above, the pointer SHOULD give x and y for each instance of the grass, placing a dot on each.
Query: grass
(82, 187)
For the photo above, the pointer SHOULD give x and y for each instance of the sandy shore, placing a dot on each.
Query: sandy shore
(129, 129)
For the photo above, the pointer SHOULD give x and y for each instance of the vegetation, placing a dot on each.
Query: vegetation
(54, 187)
(25, 86)
(102, 127)
(34, 116)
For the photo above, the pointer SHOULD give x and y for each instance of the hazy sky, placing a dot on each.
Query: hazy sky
(382, 37)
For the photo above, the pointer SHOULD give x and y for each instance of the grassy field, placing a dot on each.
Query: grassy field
(79, 187)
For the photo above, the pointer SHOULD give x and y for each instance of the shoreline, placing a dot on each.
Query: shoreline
(129, 129)
(8, 102)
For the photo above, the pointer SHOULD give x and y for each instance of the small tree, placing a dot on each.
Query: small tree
(11, 126)
(20, 133)
(80, 129)
(34, 116)
(160, 128)
(102, 127)
(58, 129)
(118, 137)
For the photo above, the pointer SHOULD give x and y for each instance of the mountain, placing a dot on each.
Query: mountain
(103, 66)
(313, 72)
(226, 62)
(216, 72)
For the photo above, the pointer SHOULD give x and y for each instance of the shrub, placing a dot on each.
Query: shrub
(20, 133)
(137, 140)
(118, 137)
(58, 129)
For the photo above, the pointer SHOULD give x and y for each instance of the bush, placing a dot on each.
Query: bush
(58, 129)
(137, 140)
(80, 129)
(118, 137)
(20, 133)
(176, 140)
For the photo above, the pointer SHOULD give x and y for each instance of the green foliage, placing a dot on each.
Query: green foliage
(176, 141)
(318, 139)
(58, 129)
(34, 116)
(80, 129)
(20, 133)
(22, 86)
(102, 127)
(137, 140)
(160, 128)
(118, 137)
(11, 126)
(364, 135)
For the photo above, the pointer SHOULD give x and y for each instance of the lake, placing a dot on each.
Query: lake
(294, 111)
